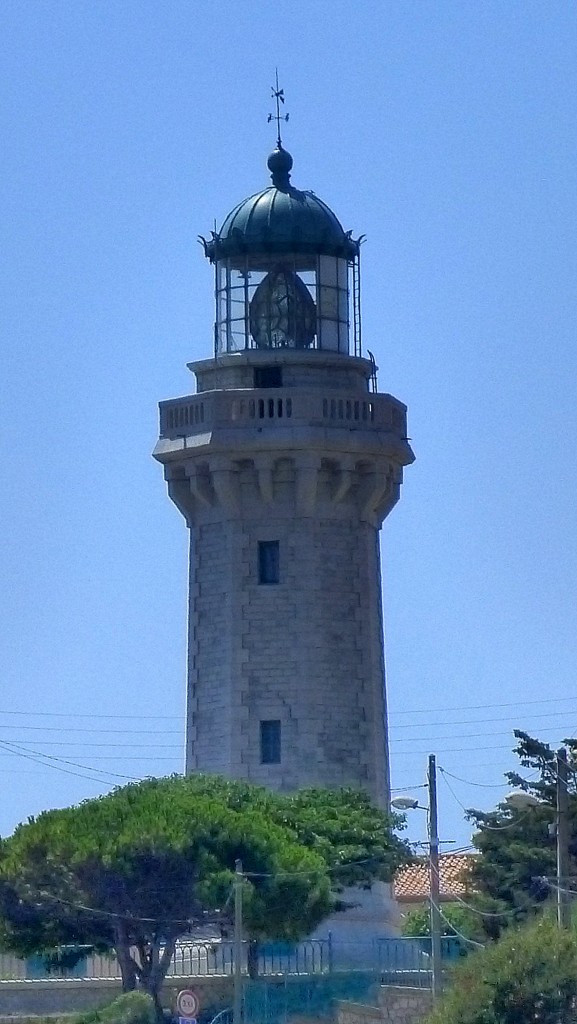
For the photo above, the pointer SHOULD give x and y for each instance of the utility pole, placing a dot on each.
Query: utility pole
(436, 974)
(237, 1000)
(563, 904)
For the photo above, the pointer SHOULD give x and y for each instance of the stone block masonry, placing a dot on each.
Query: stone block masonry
(312, 466)
(396, 1005)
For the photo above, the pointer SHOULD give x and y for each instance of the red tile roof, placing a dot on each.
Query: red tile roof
(411, 883)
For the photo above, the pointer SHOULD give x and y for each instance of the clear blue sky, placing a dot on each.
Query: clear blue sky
(443, 129)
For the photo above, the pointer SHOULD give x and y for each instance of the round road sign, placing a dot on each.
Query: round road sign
(187, 1004)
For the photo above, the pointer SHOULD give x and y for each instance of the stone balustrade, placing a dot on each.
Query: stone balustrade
(278, 407)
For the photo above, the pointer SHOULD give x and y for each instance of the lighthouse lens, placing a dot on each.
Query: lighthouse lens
(282, 311)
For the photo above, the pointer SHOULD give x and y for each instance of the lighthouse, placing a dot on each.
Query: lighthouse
(284, 463)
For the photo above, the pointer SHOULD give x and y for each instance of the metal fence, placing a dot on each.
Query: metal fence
(395, 960)
(273, 1002)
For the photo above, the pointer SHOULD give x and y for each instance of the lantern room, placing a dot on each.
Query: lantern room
(286, 272)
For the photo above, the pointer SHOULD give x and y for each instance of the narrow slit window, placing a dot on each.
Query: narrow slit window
(270, 743)
(268, 562)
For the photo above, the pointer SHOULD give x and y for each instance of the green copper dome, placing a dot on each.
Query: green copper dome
(281, 219)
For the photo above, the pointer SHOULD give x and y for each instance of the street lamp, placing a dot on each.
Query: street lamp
(520, 800)
(407, 803)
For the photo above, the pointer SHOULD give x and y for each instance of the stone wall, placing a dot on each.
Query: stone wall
(55, 997)
(358, 1013)
(397, 1005)
(306, 652)
(404, 1005)
(23, 999)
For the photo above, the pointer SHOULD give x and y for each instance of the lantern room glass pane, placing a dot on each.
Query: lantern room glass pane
(266, 300)
(333, 303)
(328, 271)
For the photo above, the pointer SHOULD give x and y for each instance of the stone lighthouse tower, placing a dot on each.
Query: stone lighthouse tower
(284, 463)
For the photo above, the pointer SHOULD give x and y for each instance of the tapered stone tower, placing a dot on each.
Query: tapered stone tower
(284, 464)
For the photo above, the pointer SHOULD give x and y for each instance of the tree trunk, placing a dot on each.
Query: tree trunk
(152, 977)
(127, 966)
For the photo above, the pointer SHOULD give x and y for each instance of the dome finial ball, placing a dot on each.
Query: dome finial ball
(280, 164)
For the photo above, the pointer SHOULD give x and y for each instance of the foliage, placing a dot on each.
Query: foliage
(528, 975)
(517, 848)
(456, 918)
(131, 1008)
(145, 864)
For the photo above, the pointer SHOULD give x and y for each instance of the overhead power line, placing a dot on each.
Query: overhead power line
(462, 735)
(114, 757)
(510, 912)
(464, 938)
(483, 721)
(483, 785)
(84, 744)
(66, 771)
(483, 824)
(483, 707)
(35, 754)
(118, 732)
(451, 750)
(129, 716)
(75, 714)
(178, 733)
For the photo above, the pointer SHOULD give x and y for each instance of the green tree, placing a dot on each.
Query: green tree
(141, 866)
(456, 918)
(512, 875)
(528, 976)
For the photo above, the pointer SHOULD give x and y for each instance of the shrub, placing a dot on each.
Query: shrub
(131, 1008)
(529, 976)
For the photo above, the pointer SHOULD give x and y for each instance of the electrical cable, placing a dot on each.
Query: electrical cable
(481, 707)
(555, 886)
(408, 711)
(480, 721)
(76, 714)
(459, 735)
(114, 757)
(316, 871)
(482, 785)
(84, 743)
(483, 825)
(52, 757)
(485, 913)
(178, 732)
(66, 771)
(112, 914)
(246, 875)
(451, 750)
(110, 732)
(405, 789)
(473, 942)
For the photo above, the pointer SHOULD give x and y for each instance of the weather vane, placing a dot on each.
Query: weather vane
(278, 95)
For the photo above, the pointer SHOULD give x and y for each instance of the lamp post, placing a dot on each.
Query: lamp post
(520, 800)
(405, 803)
